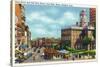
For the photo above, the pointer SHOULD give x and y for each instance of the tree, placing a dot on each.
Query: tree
(84, 32)
(65, 44)
(55, 46)
(86, 41)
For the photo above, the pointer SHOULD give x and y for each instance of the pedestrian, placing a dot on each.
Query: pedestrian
(33, 56)
(73, 58)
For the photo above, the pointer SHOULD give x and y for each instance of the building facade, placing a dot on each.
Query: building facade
(73, 36)
(22, 33)
(20, 24)
(92, 16)
(82, 18)
(46, 42)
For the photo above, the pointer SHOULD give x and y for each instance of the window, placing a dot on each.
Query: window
(25, 33)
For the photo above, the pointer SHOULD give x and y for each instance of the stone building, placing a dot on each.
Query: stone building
(73, 35)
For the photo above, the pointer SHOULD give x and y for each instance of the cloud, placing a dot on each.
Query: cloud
(45, 26)
(40, 31)
(69, 15)
(52, 11)
(67, 18)
(39, 16)
(38, 26)
(42, 18)
(47, 21)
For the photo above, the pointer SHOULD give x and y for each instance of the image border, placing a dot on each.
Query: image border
(49, 62)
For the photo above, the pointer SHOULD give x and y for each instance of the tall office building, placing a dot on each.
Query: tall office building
(92, 16)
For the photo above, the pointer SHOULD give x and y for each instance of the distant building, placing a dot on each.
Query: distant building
(38, 42)
(49, 53)
(82, 18)
(46, 42)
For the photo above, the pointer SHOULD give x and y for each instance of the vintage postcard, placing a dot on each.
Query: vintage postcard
(43, 33)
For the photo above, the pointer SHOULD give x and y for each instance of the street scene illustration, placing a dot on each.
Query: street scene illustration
(54, 33)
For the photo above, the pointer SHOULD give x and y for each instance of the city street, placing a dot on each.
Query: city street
(41, 40)
(36, 55)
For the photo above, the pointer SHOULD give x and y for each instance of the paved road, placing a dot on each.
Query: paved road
(38, 58)
(37, 55)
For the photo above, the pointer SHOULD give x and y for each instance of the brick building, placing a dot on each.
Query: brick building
(22, 33)
(92, 16)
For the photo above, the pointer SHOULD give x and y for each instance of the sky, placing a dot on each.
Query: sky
(47, 21)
